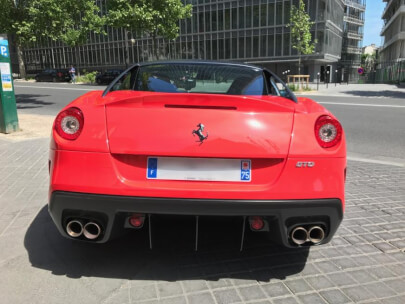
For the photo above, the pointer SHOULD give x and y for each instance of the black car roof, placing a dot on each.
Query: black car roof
(207, 62)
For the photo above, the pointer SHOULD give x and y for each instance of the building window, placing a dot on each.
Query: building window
(241, 47)
(214, 21)
(256, 15)
(263, 15)
(270, 15)
(234, 18)
(241, 17)
(248, 17)
(227, 19)
(248, 47)
(220, 20)
(208, 21)
(279, 13)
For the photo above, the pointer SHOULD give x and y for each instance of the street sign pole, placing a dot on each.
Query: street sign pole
(8, 107)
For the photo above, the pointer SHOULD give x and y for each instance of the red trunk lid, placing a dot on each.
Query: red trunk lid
(163, 124)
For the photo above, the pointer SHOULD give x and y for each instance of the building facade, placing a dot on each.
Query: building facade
(253, 31)
(353, 26)
(392, 51)
(370, 49)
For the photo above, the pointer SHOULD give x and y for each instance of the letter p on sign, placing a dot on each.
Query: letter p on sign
(3, 51)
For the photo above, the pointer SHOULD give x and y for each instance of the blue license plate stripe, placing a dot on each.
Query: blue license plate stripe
(152, 167)
(245, 170)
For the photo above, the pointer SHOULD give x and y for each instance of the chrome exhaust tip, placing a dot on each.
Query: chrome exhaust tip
(316, 234)
(74, 228)
(91, 230)
(299, 235)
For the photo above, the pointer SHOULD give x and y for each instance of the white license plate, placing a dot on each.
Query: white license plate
(199, 169)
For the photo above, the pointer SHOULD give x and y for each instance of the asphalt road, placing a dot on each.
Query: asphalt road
(374, 124)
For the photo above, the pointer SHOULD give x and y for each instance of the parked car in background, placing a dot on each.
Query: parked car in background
(108, 76)
(53, 75)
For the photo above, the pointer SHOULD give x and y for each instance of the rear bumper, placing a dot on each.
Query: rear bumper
(111, 211)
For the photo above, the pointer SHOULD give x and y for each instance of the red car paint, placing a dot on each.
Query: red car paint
(276, 133)
(125, 127)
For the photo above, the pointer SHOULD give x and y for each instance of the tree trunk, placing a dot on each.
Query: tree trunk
(155, 49)
(299, 64)
(77, 61)
(299, 69)
(21, 65)
(126, 51)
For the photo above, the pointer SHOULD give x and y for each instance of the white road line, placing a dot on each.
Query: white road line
(330, 103)
(361, 104)
(54, 88)
(339, 95)
(376, 161)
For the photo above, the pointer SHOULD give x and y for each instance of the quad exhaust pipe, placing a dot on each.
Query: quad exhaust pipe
(300, 235)
(74, 228)
(90, 230)
(316, 234)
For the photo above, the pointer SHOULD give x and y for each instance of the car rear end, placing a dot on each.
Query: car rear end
(117, 161)
(63, 75)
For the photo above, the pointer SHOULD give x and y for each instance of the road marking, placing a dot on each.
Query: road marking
(330, 103)
(54, 88)
(375, 161)
(339, 95)
(361, 104)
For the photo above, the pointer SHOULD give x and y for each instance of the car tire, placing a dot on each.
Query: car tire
(37, 79)
(54, 79)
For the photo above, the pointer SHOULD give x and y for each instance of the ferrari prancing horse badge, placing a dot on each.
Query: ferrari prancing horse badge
(199, 133)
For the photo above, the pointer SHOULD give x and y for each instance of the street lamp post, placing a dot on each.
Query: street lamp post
(317, 81)
(327, 79)
(127, 47)
(336, 76)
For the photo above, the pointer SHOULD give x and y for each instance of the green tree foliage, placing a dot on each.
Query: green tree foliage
(369, 61)
(68, 21)
(301, 37)
(157, 18)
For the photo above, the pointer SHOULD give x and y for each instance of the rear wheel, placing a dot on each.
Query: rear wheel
(53, 79)
(36, 78)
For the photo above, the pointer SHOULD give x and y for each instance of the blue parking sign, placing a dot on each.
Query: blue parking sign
(4, 48)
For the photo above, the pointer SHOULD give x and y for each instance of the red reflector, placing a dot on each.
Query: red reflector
(136, 220)
(256, 222)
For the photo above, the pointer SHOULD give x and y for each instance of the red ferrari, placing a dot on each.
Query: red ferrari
(200, 139)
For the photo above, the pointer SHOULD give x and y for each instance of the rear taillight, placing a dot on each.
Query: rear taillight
(69, 123)
(328, 131)
(60, 74)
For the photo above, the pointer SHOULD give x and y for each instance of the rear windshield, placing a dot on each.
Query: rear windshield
(200, 78)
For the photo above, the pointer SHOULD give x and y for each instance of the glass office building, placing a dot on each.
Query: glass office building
(253, 31)
(392, 51)
(352, 39)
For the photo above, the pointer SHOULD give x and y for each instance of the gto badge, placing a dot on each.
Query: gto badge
(305, 164)
(199, 133)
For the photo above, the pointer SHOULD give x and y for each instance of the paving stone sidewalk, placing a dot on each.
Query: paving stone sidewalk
(378, 90)
(365, 262)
